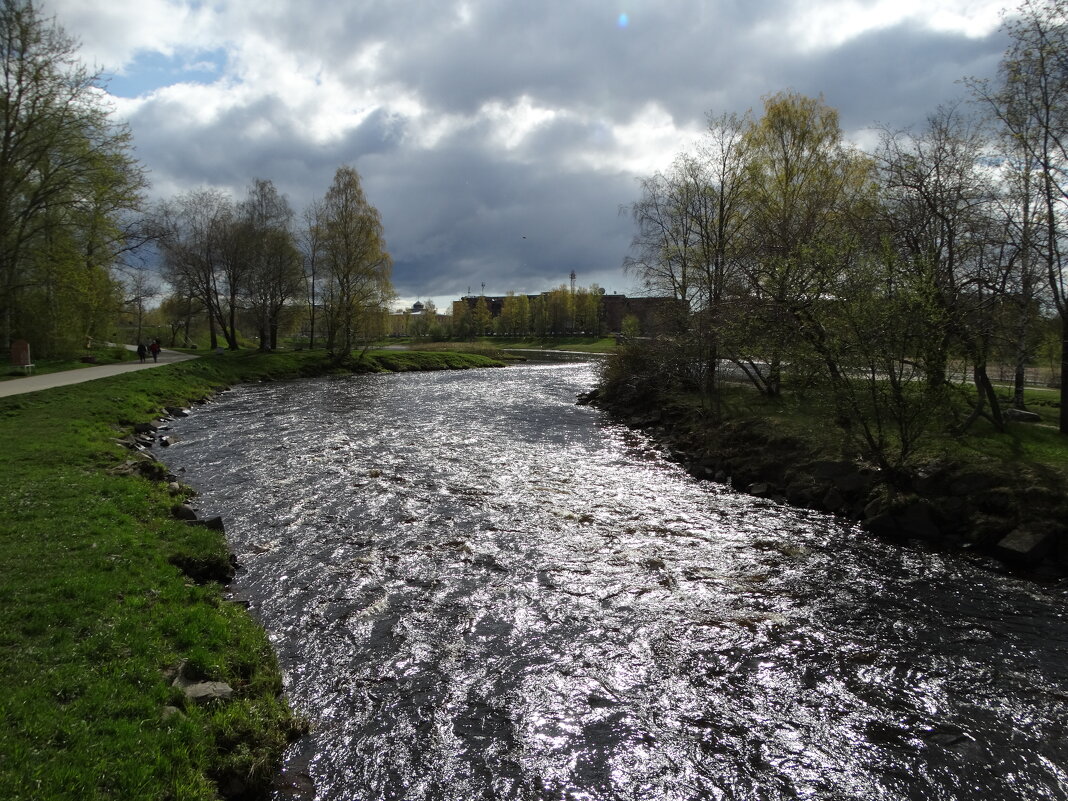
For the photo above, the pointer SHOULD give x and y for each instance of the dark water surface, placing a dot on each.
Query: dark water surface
(479, 590)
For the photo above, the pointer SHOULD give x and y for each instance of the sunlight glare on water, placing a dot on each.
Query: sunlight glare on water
(479, 590)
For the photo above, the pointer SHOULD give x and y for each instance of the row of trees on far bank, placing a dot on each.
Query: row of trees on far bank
(249, 263)
(887, 282)
(560, 311)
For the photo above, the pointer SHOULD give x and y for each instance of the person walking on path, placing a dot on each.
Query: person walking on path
(142, 351)
(154, 347)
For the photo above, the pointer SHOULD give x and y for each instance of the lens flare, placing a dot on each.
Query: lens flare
(623, 20)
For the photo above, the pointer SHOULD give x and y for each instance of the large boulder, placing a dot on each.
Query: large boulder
(1029, 543)
(1021, 416)
(204, 567)
(905, 520)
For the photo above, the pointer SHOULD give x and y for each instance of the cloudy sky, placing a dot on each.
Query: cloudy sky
(499, 138)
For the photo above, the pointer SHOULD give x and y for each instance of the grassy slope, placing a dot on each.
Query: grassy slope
(92, 612)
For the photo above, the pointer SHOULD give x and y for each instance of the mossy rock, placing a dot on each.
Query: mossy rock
(205, 567)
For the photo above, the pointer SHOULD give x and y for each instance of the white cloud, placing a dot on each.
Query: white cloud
(470, 118)
(113, 33)
(822, 24)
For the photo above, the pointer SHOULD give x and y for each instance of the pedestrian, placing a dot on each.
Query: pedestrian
(142, 351)
(154, 347)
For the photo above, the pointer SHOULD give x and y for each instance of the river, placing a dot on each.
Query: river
(479, 590)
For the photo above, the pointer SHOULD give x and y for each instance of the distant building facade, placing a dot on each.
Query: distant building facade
(655, 315)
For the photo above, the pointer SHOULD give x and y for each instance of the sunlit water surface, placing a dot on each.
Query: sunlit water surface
(479, 590)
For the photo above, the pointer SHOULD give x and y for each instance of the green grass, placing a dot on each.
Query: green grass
(1034, 444)
(579, 344)
(93, 610)
(502, 345)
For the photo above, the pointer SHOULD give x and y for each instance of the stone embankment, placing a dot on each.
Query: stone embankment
(1016, 513)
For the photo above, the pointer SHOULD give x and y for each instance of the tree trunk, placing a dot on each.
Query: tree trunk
(983, 385)
(1064, 376)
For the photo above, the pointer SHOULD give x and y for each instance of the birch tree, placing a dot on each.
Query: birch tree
(356, 262)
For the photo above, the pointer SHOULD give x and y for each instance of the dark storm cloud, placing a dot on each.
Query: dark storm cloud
(897, 76)
(456, 218)
(678, 55)
(257, 140)
(480, 123)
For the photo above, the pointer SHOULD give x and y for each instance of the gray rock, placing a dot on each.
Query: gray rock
(915, 520)
(196, 690)
(1028, 544)
(1021, 416)
(874, 508)
(171, 713)
(830, 470)
(833, 501)
(912, 520)
(852, 483)
(184, 511)
(215, 523)
(203, 692)
(882, 525)
(971, 483)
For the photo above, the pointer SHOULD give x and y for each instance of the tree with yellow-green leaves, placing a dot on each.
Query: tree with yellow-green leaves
(805, 191)
(356, 263)
(69, 186)
(515, 315)
(481, 317)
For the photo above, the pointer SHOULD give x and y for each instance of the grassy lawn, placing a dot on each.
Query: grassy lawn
(95, 613)
(1037, 444)
(578, 344)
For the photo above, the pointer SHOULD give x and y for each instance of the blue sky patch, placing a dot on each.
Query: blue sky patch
(154, 70)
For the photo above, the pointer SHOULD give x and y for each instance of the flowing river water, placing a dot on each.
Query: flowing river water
(479, 590)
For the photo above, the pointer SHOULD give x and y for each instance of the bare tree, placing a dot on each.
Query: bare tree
(201, 253)
(1030, 102)
(273, 274)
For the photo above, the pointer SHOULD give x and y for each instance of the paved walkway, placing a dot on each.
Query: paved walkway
(33, 383)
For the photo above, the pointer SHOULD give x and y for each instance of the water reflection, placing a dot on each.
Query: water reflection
(480, 591)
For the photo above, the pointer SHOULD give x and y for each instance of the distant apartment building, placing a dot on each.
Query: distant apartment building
(653, 315)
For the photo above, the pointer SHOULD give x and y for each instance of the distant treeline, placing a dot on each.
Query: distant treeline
(556, 312)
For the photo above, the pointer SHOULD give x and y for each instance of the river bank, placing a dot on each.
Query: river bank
(126, 672)
(1013, 510)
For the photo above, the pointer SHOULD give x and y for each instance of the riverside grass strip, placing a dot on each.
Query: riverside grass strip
(94, 617)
